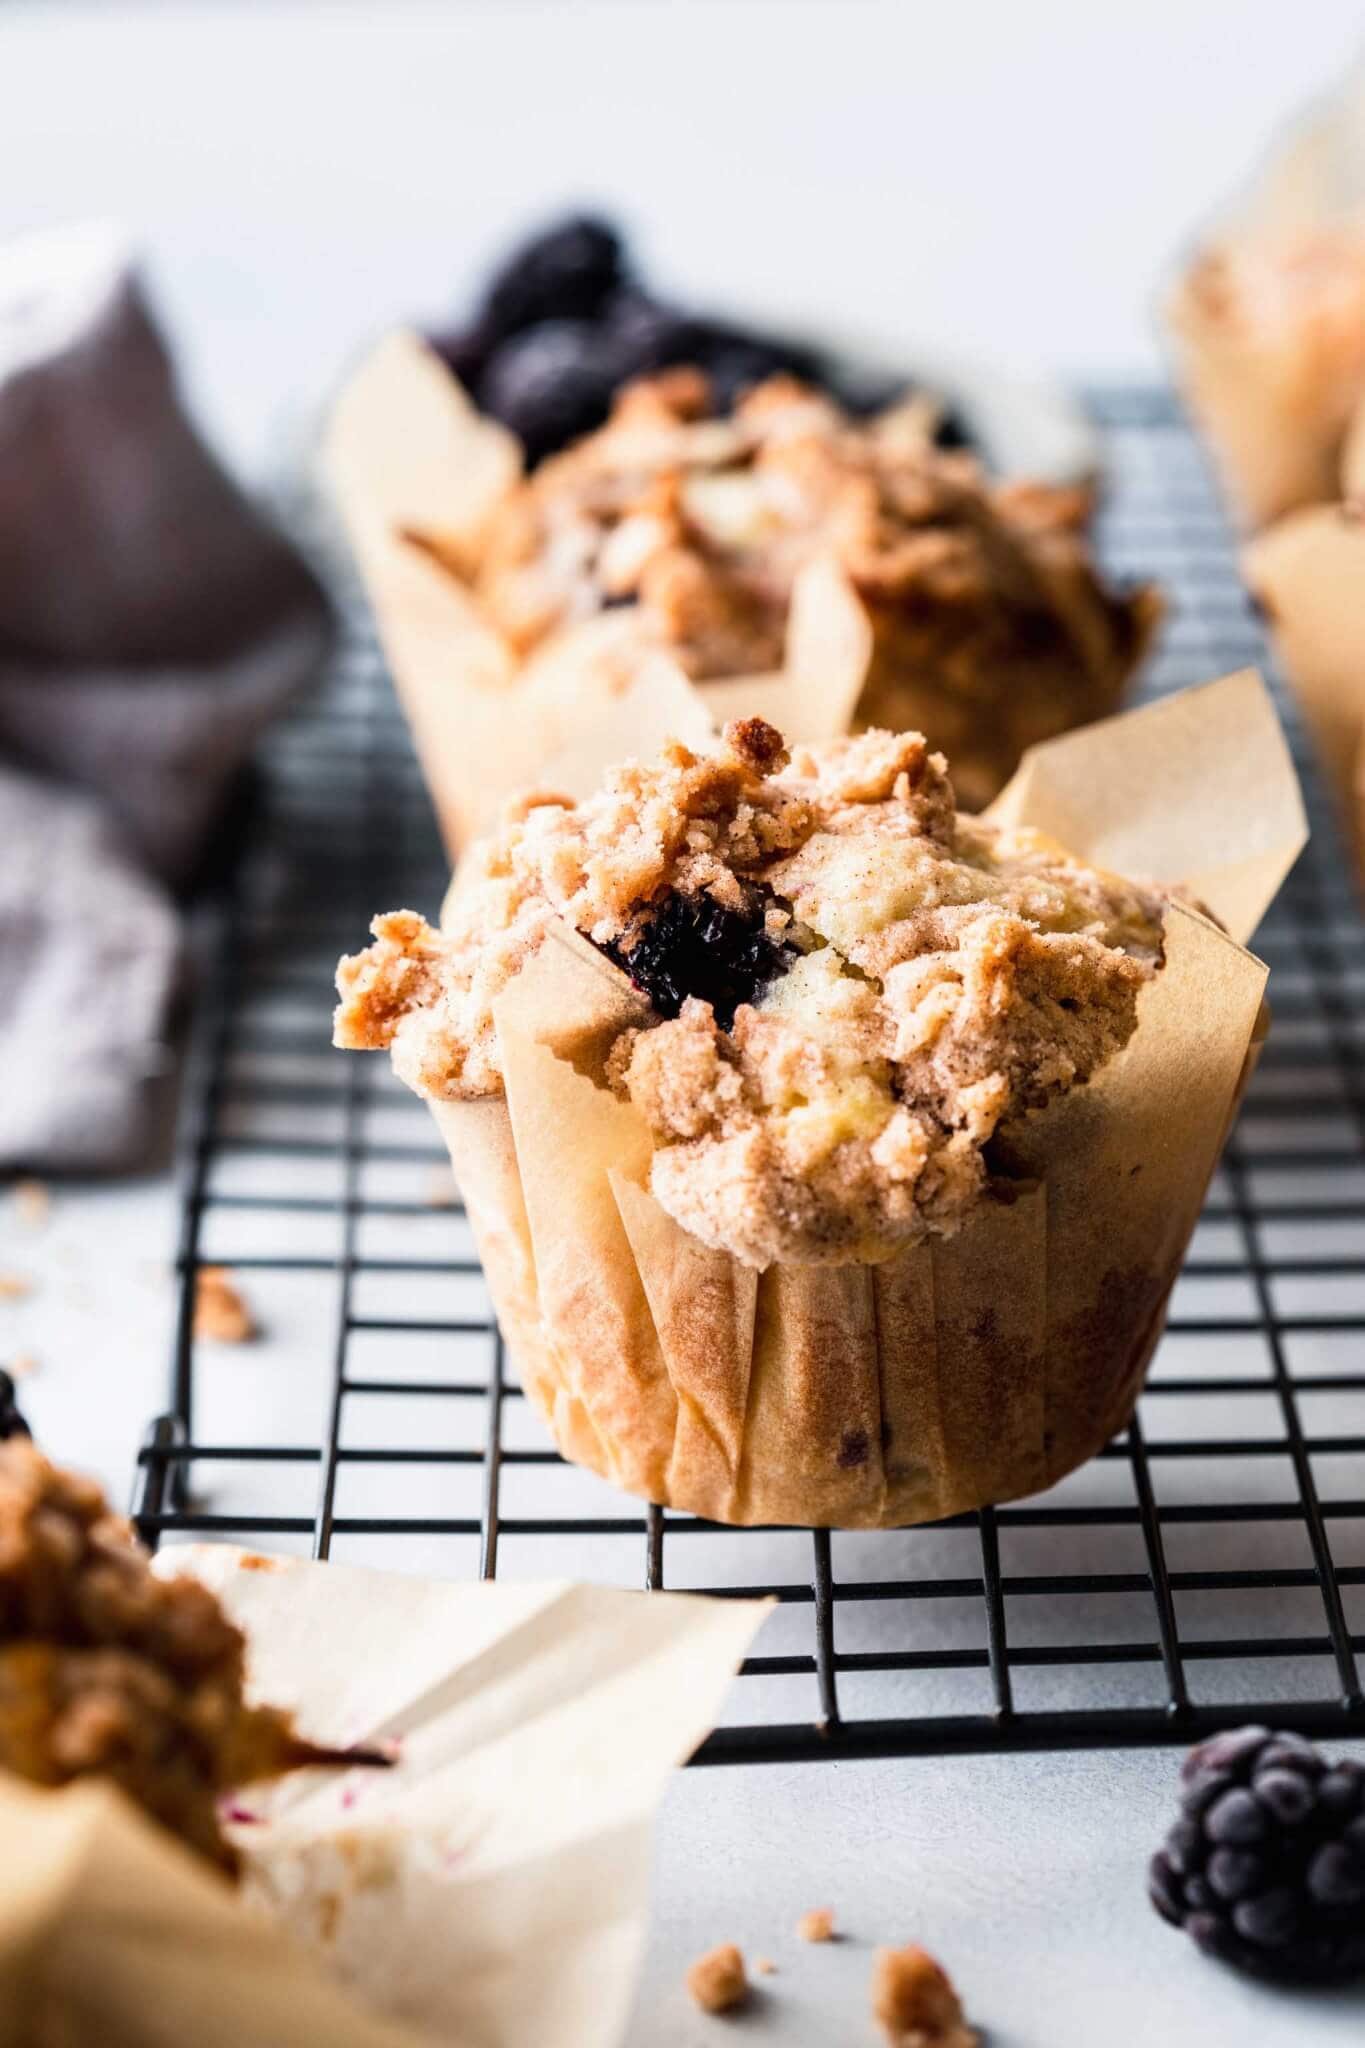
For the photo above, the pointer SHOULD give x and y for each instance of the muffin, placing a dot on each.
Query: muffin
(1270, 333)
(109, 1671)
(830, 1153)
(514, 607)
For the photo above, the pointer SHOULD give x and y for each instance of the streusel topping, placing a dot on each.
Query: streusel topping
(978, 592)
(852, 984)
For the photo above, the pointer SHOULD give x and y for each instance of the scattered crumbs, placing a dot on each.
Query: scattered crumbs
(817, 1925)
(764, 1966)
(716, 1981)
(221, 1316)
(21, 1365)
(914, 2003)
(32, 1203)
(14, 1286)
(442, 1192)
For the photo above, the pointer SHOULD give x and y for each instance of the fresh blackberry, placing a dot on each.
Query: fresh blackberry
(549, 385)
(1266, 1866)
(643, 334)
(694, 946)
(465, 351)
(566, 272)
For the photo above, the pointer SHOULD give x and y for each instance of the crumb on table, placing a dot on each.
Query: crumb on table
(717, 1981)
(914, 2002)
(21, 1365)
(14, 1286)
(764, 1966)
(817, 1925)
(221, 1315)
(32, 1202)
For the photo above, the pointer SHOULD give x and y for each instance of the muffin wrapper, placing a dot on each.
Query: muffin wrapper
(1274, 399)
(963, 1371)
(1308, 573)
(416, 473)
(490, 1890)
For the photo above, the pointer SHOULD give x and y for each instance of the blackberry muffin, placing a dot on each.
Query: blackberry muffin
(817, 1137)
(991, 628)
(109, 1671)
(518, 607)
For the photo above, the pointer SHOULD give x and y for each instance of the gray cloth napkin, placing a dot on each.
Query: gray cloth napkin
(152, 622)
(90, 949)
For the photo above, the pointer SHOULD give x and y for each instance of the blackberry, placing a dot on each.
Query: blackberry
(566, 272)
(549, 385)
(1266, 1866)
(643, 334)
(694, 946)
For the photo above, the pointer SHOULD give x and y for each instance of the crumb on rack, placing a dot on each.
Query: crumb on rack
(14, 1286)
(914, 2002)
(221, 1315)
(32, 1202)
(817, 1925)
(716, 1981)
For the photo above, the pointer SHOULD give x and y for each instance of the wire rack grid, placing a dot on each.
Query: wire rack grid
(1210, 1565)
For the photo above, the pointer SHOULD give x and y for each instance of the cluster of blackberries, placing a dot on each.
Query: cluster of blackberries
(694, 946)
(1266, 1866)
(564, 324)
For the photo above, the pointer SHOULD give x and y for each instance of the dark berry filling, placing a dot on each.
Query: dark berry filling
(694, 946)
(563, 326)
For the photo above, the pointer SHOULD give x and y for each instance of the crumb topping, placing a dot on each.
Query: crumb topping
(977, 591)
(221, 1313)
(914, 2003)
(717, 1981)
(817, 1924)
(853, 986)
(107, 1669)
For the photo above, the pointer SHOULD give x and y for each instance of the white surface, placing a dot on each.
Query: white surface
(1006, 180)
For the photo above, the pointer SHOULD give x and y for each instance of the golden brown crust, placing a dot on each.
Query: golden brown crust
(992, 628)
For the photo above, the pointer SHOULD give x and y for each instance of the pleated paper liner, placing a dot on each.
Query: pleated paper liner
(416, 473)
(1308, 574)
(1274, 374)
(966, 1370)
(489, 1891)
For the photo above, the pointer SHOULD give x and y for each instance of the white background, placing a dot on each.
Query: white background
(1011, 180)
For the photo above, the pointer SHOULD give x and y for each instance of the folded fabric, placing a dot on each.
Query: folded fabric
(89, 956)
(151, 620)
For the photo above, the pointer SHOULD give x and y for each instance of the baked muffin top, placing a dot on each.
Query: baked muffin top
(704, 522)
(850, 985)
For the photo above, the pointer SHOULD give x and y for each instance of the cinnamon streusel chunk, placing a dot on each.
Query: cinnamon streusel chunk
(108, 1670)
(848, 986)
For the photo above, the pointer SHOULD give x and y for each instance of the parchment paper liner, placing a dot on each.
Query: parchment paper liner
(964, 1371)
(416, 473)
(1275, 396)
(1308, 573)
(489, 1891)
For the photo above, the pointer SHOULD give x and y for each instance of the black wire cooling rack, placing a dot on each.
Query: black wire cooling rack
(1210, 1566)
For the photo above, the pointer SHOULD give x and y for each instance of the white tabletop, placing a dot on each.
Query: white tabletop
(1009, 181)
